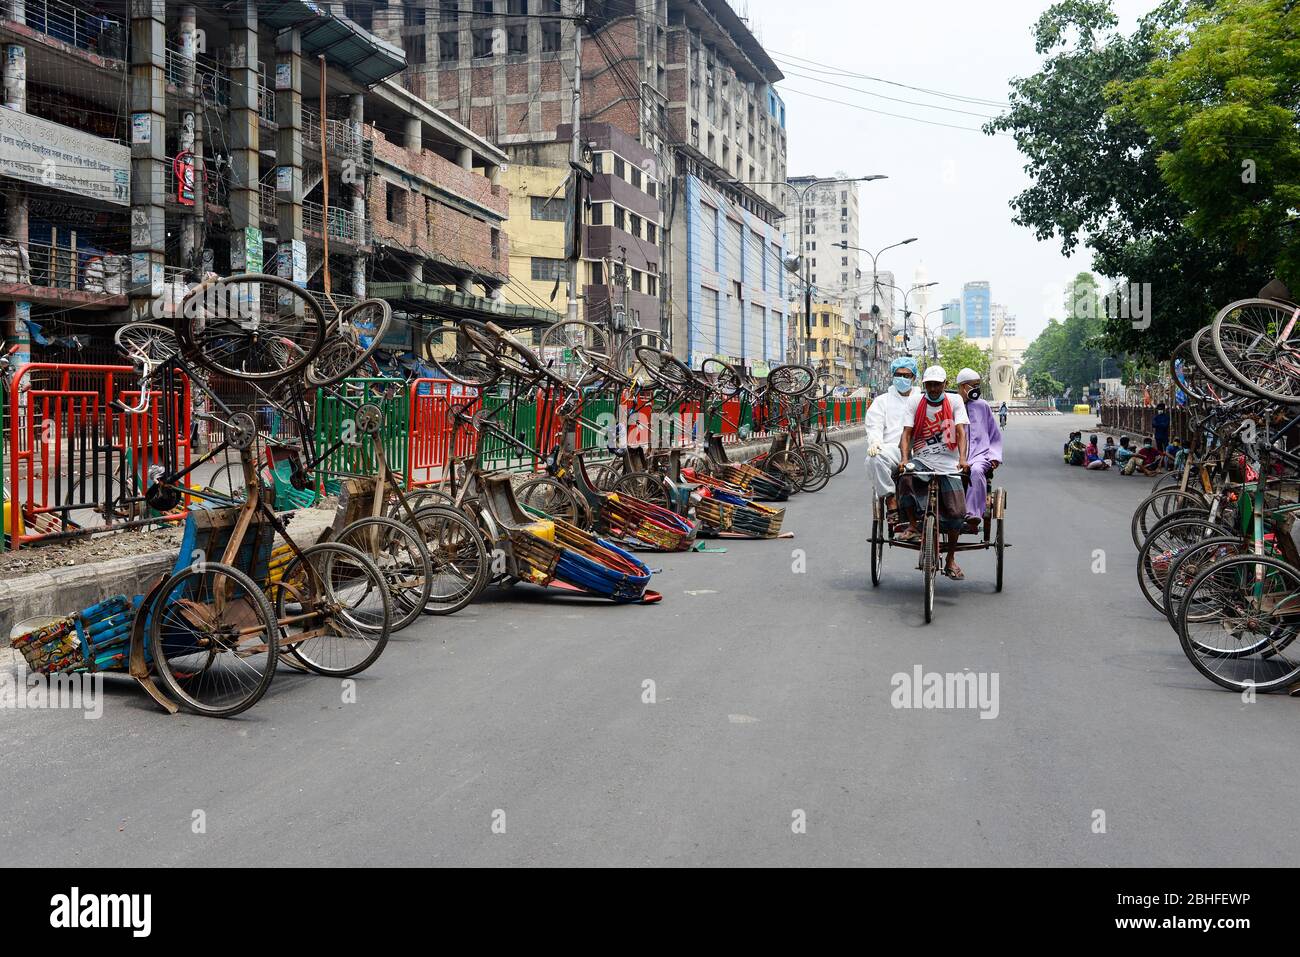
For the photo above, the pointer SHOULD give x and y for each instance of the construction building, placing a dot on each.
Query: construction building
(144, 147)
(683, 80)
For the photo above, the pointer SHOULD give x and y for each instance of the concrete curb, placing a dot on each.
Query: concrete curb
(61, 591)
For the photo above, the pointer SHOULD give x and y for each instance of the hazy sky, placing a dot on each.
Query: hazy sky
(949, 187)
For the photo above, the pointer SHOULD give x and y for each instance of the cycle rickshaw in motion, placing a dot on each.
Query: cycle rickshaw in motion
(929, 547)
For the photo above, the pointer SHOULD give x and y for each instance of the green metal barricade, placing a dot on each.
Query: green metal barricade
(334, 418)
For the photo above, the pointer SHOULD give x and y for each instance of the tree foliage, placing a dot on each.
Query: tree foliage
(1073, 352)
(1043, 386)
(960, 353)
(1107, 171)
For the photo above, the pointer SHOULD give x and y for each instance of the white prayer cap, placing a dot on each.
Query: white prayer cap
(935, 374)
(967, 375)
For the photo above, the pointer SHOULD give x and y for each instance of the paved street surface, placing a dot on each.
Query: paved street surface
(773, 695)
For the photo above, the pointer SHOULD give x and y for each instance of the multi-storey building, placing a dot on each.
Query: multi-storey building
(951, 326)
(976, 309)
(830, 217)
(236, 155)
(622, 234)
(683, 79)
(998, 313)
(831, 342)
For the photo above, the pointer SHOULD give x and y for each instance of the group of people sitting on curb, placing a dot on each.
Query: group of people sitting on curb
(1146, 459)
(949, 437)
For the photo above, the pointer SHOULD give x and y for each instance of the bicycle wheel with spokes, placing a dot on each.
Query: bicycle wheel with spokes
(626, 362)
(1211, 367)
(340, 606)
(1187, 564)
(251, 326)
(1248, 614)
(1161, 548)
(551, 497)
(1159, 504)
(449, 350)
(213, 639)
(646, 486)
(147, 342)
(722, 377)
(360, 329)
(458, 556)
(929, 562)
(1258, 342)
(402, 560)
(791, 380)
(819, 468)
(567, 344)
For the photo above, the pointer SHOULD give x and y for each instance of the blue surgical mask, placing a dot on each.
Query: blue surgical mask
(938, 401)
(902, 384)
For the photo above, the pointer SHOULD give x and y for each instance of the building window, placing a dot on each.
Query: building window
(415, 49)
(482, 8)
(549, 209)
(844, 212)
(636, 225)
(651, 189)
(844, 227)
(597, 274)
(550, 36)
(496, 243)
(636, 177)
(620, 168)
(413, 16)
(844, 260)
(395, 203)
(547, 270)
(551, 6)
(449, 9)
(517, 8)
(449, 46)
(620, 221)
(636, 281)
(844, 277)
(517, 40)
(598, 162)
(598, 214)
(651, 286)
(483, 43)
(650, 234)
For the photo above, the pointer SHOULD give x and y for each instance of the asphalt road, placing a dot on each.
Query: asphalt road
(773, 696)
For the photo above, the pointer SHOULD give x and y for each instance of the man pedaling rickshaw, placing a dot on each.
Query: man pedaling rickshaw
(935, 440)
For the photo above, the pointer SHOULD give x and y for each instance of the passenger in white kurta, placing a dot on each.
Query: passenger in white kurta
(884, 422)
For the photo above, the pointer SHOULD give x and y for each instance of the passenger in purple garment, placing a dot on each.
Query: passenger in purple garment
(985, 445)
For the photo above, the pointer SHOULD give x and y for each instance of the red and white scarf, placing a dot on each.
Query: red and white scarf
(923, 427)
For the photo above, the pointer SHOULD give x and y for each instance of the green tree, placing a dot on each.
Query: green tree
(1043, 386)
(1097, 177)
(1221, 100)
(960, 353)
(1074, 352)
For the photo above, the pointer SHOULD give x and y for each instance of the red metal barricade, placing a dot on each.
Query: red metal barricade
(71, 451)
(431, 429)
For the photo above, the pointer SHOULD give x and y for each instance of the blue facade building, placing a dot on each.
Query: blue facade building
(729, 276)
(976, 305)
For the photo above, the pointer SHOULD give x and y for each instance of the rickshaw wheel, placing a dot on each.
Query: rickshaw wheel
(349, 603)
(929, 562)
(198, 652)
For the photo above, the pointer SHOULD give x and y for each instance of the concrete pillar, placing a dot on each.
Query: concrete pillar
(414, 134)
(288, 147)
(148, 153)
(494, 175)
(466, 285)
(356, 116)
(465, 157)
(245, 92)
(14, 74)
(416, 271)
(190, 137)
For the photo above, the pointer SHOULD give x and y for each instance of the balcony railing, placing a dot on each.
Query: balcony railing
(74, 24)
(341, 138)
(55, 267)
(343, 223)
(211, 81)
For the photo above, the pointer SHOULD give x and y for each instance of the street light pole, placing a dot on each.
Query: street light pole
(875, 274)
(802, 343)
